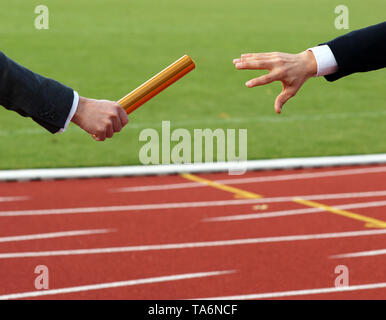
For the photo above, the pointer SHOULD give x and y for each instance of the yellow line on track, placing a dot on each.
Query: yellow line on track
(370, 222)
(237, 192)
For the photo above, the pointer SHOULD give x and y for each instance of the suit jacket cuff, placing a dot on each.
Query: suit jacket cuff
(74, 107)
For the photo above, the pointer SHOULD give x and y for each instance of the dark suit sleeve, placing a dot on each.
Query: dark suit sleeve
(359, 51)
(45, 100)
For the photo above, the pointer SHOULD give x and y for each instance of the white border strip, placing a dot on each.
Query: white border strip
(102, 172)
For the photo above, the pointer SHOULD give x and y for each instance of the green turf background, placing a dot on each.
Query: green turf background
(104, 49)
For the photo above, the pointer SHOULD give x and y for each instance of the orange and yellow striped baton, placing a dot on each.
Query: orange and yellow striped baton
(157, 84)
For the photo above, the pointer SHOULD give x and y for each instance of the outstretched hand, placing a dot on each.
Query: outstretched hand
(100, 118)
(291, 69)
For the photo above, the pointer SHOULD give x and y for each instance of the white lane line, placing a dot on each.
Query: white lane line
(11, 199)
(191, 245)
(282, 213)
(265, 215)
(199, 204)
(63, 234)
(285, 177)
(117, 284)
(282, 294)
(178, 205)
(360, 254)
(184, 185)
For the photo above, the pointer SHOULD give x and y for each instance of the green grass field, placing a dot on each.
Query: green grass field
(103, 49)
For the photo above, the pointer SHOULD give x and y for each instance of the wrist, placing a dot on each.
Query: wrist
(309, 62)
(78, 114)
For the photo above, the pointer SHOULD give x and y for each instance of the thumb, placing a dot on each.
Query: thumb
(282, 98)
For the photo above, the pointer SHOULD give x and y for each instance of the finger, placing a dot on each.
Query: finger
(248, 59)
(259, 55)
(101, 134)
(282, 98)
(238, 60)
(265, 79)
(109, 131)
(254, 65)
(117, 125)
(96, 138)
(247, 55)
(123, 117)
(253, 56)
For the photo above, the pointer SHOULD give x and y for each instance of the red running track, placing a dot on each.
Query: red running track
(174, 239)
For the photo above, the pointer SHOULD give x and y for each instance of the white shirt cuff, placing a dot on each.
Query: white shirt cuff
(72, 111)
(325, 60)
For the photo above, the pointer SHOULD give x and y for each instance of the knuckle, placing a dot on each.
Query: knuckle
(283, 72)
(112, 114)
(280, 73)
(278, 61)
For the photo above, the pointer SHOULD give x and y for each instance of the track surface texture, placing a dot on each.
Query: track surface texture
(261, 235)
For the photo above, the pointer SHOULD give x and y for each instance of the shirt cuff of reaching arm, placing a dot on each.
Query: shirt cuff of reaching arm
(325, 60)
(72, 111)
